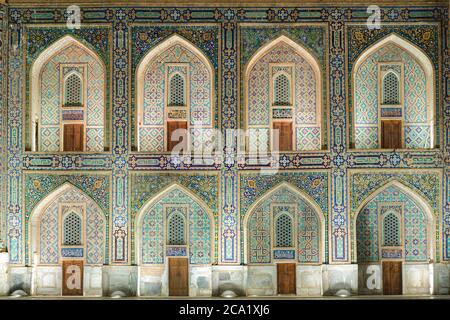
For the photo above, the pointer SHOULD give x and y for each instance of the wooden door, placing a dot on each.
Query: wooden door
(391, 134)
(178, 277)
(285, 134)
(392, 277)
(171, 127)
(286, 278)
(73, 137)
(72, 278)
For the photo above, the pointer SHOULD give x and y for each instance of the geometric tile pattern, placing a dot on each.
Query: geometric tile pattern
(415, 97)
(260, 236)
(200, 99)
(153, 233)
(51, 99)
(95, 228)
(308, 138)
(305, 94)
(414, 226)
(308, 236)
(332, 43)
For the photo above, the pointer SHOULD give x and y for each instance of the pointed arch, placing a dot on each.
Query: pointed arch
(41, 207)
(37, 69)
(302, 195)
(424, 62)
(314, 64)
(161, 194)
(145, 62)
(417, 199)
(291, 43)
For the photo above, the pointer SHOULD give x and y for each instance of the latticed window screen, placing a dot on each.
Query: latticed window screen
(73, 91)
(177, 91)
(391, 89)
(72, 230)
(282, 91)
(176, 231)
(283, 231)
(391, 230)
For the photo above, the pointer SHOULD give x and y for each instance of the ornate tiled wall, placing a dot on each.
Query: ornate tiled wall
(3, 139)
(94, 189)
(417, 131)
(261, 247)
(337, 34)
(414, 233)
(307, 113)
(95, 228)
(154, 230)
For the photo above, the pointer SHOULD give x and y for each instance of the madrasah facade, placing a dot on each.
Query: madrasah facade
(315, 143)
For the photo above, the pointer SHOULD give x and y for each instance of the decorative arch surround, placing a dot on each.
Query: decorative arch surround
(46, 232)
(417, 225)
(174, 56)
(287, 57)
(52, 67)
(152, 246)
(417, 105)
(308, 228)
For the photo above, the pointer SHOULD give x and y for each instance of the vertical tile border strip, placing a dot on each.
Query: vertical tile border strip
(446, 113)
(339, 211)
(120, 242)
(229, 218)
(15, 104)
(3, 122)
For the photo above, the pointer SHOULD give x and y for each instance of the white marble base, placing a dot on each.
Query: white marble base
(120, 278)
(20, 279)
(206, 281)
(151, 279)
(4, 273)
(200, 281)
(232, 278)
(92, 282)
(47, 281)
(309, 281)
(416, 278)
(441, 278)
(336, 277)
(261, 280)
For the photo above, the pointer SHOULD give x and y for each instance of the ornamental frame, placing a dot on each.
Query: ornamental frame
(400, 217)
(433, 88)
(108, 84)
(321, 85)
(61, 217)
(294, 240)
(167, 218)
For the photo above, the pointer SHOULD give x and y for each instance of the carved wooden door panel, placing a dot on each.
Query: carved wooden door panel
(286, 278)
(178, 277)
(392, 277)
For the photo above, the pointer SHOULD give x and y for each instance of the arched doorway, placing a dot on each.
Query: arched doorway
(175, 244)
(284, 233)
(393, 97)
(395, 241)
(68, 100)
(68, 235)
(283, 93)
(174, 90)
